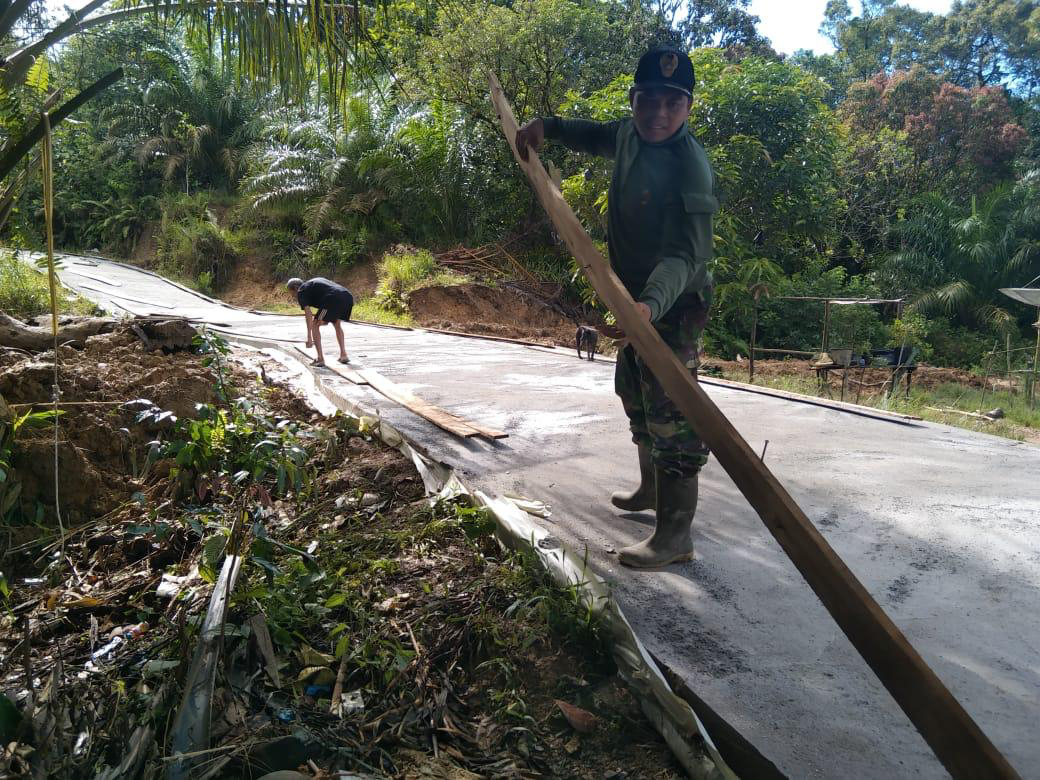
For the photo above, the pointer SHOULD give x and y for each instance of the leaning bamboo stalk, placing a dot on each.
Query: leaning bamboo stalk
(955, 738)
(190, 732)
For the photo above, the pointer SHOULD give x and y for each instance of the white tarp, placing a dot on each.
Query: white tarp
(1027, 295)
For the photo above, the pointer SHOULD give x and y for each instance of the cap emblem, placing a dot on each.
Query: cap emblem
(669, 62)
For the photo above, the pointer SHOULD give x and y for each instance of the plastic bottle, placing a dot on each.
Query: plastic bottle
(119, 635)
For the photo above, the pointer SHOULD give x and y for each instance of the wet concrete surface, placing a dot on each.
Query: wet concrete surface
(942, 526)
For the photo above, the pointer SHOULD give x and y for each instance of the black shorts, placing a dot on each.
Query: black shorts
(336, 309)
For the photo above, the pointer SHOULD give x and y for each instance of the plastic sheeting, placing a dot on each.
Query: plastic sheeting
(1027, 295)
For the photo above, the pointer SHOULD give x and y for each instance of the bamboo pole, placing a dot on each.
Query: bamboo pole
(985, 379)
(957, 740)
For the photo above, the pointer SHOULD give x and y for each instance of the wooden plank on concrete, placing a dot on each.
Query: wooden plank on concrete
(826, 403)
(436, 415)
(439, 417)
(955, 738)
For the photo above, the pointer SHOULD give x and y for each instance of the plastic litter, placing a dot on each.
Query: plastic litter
(106, 648)
(351, 703)
(119, 636)
(285, 715)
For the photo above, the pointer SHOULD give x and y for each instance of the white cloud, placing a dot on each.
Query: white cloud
(794, 24)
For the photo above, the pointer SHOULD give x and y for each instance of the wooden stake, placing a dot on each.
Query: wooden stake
(754, 338)
(956, 739)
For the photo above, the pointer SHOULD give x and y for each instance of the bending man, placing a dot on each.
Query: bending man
(331, 303)
(659, 232)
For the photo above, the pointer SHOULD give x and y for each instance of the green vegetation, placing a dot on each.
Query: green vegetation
(24, 291)
(193, 246)
(405, 271)
(372, 310)
(903, 165)
(980, 392)
(348, 573)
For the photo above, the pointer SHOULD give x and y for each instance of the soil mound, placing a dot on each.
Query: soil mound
(495, 311)
(100, 440)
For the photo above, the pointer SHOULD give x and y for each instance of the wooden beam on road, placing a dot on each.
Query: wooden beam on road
(442, 418)
(955, 738)
(415, 404)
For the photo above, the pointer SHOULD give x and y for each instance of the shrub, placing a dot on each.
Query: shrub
(24, 291)
(192, 245)
(913, 330)
(963, 347)
(406, 270)
(332, 254)
(403, 272)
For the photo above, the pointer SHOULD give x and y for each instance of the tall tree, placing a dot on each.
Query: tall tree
(990, 42)
(966, 139)
(710, 22)
(954, 259)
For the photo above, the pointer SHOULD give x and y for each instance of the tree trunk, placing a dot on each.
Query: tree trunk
(14, 333)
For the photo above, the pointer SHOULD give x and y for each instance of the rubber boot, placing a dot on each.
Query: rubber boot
(670, 541)
(644, 496)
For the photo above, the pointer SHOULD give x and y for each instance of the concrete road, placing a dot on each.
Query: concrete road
(942, 526)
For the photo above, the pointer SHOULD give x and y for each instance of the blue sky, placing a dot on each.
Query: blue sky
(794, 24)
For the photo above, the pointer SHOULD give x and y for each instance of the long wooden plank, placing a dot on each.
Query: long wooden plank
(955, 738)
(424, 409)
(451, 422)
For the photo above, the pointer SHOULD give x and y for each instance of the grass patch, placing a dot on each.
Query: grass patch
(283, 307)
(25, 293)
(1019, 421)
(371, 310)
(403, 272)
(365, 310)
(406, 271)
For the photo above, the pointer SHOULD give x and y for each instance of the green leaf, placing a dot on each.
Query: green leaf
(10, 717)
(213, 552)
(341, 646)
(39, 75)
(336, 599)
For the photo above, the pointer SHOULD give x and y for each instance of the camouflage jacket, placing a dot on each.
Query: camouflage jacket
(659, 211)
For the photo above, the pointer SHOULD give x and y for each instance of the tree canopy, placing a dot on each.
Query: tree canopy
(330, 131)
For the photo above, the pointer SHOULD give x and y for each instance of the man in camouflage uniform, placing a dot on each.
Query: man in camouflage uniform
(659, 231)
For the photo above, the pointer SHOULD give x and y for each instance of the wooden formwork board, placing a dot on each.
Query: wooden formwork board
(440, 417)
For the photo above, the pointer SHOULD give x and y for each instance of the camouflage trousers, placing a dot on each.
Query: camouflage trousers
(655, 421)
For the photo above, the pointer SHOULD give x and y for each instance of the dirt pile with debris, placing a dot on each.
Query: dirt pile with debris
(101, 443)
(367, 632)
(492, 311)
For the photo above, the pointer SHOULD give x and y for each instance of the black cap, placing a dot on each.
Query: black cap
(665, 67)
